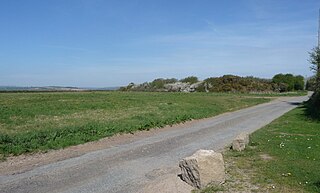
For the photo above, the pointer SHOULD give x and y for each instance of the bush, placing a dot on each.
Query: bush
(231, 83)
(313, 106)
(160, 82)
(288, 82)
(298, 83)
(190, 79)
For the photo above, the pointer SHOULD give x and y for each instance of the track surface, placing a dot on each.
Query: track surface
(131, 166)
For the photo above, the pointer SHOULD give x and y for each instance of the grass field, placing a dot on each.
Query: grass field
(282, 157)
(40, 121)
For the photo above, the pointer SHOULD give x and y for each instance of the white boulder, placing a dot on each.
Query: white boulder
(202, 168)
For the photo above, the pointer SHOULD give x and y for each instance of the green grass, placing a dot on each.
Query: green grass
(32, 122)
(291, 144)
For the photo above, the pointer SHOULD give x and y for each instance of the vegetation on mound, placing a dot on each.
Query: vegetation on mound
(40, 121)
(226, 83)
(190, 79)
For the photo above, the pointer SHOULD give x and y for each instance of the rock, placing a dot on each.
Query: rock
(202, 168)
(194, 86)
(177, 87)
(240, 142)
(182, 87)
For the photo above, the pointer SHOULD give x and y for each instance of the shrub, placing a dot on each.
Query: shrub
(190, 79)
(288, 82)
(231, 83)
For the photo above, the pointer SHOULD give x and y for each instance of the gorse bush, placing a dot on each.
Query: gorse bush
(231, 83)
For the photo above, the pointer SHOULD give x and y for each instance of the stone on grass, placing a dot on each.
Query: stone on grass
(203, 168)
(240, 142)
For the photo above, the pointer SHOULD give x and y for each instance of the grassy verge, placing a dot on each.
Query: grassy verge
(282, 157)
(40, 121)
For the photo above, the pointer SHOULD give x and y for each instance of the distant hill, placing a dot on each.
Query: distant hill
(44, 88)
(53, 88)
(101, 88)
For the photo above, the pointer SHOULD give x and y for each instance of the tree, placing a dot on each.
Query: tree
(314, 103)
(288, 82)
(285, 82)
(298, 82)
(315, 66)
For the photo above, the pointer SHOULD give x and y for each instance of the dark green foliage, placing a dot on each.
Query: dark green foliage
(231, 83)
(190, 79)
(285, 79)
(288, 82)
(314, 104)
(311, 84)
(298, 82)
(160, 82)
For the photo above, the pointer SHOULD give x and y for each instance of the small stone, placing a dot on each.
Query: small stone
(240, 142)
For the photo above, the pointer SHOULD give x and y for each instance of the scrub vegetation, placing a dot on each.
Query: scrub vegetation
(228, 83)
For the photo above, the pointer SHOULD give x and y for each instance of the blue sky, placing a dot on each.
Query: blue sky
(97, 43)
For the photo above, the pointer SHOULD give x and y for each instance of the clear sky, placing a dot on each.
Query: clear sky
(98, 43)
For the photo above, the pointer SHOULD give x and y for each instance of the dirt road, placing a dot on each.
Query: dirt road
(143, 164)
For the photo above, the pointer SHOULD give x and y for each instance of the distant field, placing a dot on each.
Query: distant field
(40, 121)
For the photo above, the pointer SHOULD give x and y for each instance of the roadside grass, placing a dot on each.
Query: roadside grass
(31, 122)
(282, 157)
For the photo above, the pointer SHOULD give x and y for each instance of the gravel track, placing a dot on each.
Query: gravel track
(140, 164)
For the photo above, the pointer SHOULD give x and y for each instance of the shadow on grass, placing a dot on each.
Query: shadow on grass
(317, 184)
